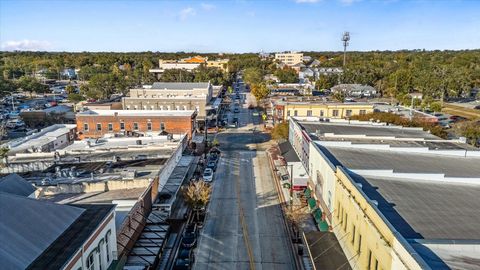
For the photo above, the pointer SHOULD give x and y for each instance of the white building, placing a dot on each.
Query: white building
(289, 58)
(46, 140)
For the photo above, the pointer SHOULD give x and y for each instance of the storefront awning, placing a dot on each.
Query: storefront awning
(312, 203)
(323, 226)
(308, 193)
(317, 214)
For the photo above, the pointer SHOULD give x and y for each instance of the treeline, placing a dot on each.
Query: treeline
(436, 74)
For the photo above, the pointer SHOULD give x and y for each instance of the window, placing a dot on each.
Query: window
(149, 126)
(321, 113)
(359, 247)
(122, 125)
(295, 113)
(91, 261)
(363, 112)
(85, 127)
(348, 113)
(162, 126)
(107, 247)
(99, 127)
(135, 126)
(110, 126)
(99, 256)
(369, 263)
(335, 113)
(288, 113)
(309, 113)
(346, 221)
(353, 234)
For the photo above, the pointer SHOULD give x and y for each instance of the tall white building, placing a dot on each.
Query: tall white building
(289, 58)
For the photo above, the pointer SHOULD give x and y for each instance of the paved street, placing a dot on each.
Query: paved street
(244, 227)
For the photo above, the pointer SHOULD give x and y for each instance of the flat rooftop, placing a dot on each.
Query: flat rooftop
(320, 129)
(180, 85)
(127, 113)
(425, 209)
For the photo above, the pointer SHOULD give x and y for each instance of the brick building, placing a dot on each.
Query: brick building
(96, 124)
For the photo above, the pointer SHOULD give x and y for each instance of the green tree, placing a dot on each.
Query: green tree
(436, 106)
(31, 85)
(104, 85)
(471, 131)
(253, 75)
(70, 89)
(6, 87)
(287, 75)
(177, 75)
(73, 97)
(325, 82)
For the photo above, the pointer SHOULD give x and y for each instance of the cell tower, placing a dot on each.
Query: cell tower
(345, 39)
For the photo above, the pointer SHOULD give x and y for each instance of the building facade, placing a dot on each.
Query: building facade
(377, 188)
(96, 124)
(284, 110)
(222, 64)
(171, 96)
(46, 140)
(290, 58)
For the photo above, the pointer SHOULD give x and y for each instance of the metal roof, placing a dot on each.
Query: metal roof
(180, 85)
(403, 162)
(320, 128)
(425, 209)
(29, 227)
(16, 185)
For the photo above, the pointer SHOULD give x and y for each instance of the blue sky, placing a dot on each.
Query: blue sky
(238, 26)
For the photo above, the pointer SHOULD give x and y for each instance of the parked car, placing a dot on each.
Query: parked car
(15, 123)
(212, 165)
(236, 110)
(208, 175)
(185, 259)
(189, 238)
(212, 158)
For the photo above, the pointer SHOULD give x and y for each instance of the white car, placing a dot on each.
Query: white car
(208, 175)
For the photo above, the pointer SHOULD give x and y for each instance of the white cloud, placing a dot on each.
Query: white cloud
(207, 7)
(307, 1)
(187, 12)
(26, 45)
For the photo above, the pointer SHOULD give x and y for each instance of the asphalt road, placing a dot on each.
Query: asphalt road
(244, 227)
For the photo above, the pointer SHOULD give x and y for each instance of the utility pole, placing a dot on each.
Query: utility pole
(345, 39)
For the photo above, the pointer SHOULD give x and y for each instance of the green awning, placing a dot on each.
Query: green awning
(308, 193)
(312, 203)
(323, 226)
(317, 214)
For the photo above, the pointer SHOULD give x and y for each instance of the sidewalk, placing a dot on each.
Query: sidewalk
(299, 202)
